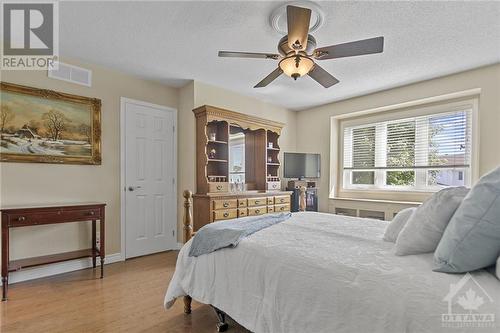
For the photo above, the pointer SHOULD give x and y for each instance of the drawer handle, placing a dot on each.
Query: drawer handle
(257, 202)
(225, 204)
(226, 214)
(282, 208)
(257, 211)
(21, 218)
(219, 187)
(274, 185)
(282, 200)
(91, 213)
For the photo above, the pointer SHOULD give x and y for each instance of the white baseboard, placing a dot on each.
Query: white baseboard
(59, 268)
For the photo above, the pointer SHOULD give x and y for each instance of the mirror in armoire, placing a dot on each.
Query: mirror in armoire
(237, 156)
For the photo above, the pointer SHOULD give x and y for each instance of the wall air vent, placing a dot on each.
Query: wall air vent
(73, 74)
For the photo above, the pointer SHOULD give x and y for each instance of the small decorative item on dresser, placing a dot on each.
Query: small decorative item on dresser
(212, 154)
(212, 136)
(270, 145)
(270, 159)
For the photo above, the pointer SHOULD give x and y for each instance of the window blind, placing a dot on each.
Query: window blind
(421, 151)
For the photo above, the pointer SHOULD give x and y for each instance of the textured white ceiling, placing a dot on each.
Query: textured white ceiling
(173, 42)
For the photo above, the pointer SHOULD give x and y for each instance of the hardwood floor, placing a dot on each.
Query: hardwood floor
(128, 299)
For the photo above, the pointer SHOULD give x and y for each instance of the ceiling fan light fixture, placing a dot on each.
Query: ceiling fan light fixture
(296, 66)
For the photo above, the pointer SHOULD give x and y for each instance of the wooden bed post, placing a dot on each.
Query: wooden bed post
(188, 216)
(302, 199)
(188, 233)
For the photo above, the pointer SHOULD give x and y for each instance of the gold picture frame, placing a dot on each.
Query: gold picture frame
(51, 127)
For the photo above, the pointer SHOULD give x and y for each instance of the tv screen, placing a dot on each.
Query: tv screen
(302, 165)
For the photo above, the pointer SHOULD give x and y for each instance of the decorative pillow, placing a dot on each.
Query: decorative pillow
(425, 227)
(472, 239)
(398, 222)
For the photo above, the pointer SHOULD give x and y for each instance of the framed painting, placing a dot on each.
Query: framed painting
(45, 126)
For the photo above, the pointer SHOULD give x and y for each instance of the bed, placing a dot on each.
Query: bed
(320, 272)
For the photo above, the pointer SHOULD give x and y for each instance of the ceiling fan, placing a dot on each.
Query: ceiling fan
(298, 49)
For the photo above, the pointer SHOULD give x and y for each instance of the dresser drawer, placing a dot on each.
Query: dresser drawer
(81, 214)
(218, 187)
(270, 209)
(281, 208)
(225, 214)
(257, 210)
(242, 202)
(224, 204)
(55, 216)
(282, 199)
(256, 201)
(242, 212)
(32, 218)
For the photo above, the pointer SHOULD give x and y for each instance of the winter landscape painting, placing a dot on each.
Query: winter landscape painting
(38, 125)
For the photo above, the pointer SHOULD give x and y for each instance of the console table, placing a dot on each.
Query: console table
(16, 217)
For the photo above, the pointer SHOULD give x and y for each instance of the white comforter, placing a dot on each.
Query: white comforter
(325, 273)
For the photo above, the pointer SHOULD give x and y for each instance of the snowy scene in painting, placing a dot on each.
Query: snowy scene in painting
(39, 126)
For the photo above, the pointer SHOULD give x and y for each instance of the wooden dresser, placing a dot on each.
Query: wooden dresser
(213, 207)
(236, 148)
(25, 216)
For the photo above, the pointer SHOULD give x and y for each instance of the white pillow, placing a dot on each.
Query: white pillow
(424, 229)
(398, 222)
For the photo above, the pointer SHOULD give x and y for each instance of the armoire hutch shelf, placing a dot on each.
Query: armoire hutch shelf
(215, 199)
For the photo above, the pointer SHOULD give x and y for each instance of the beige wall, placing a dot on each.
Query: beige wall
(314, 124)
(27, 183)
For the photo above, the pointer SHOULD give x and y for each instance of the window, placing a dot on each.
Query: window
(412, 151)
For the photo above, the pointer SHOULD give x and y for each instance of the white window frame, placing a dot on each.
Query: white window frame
(428, 106)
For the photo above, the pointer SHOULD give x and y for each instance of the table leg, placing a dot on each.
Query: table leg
(5, 259)
(94, 238)
(102, 242)
(5, 284)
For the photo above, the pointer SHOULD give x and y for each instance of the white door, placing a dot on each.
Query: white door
(149, 184)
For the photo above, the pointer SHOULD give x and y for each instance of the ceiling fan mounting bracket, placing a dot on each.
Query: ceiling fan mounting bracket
(285, 50)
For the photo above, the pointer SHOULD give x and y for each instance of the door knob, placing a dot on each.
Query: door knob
(133, 188)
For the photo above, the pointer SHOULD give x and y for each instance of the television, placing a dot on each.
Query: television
(302, 165)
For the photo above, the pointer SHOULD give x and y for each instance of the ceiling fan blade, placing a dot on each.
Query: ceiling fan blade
(322, 77)
(270, 78)
(298, 20)
(351, 49)
(254, 55)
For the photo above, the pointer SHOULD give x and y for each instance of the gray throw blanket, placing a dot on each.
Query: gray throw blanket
(229, 233)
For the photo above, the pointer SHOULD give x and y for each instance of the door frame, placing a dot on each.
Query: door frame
(123, 101)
